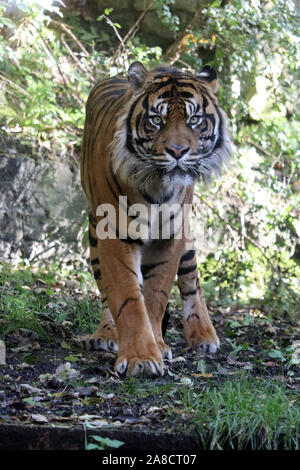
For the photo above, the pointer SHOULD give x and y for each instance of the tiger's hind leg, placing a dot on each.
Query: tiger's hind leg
(199, 332)
(106, 337)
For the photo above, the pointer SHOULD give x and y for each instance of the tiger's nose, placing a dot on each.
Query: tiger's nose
(177, 151)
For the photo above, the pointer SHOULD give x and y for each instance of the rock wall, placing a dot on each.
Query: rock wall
(125, 12)
(42, 205)
(42, 210)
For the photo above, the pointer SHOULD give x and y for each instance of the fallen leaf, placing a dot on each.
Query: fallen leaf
(223, 370)
(181, 412)
(186, 381)
(30, 389)
(153, 409)
(94, 421)
(65, 371)
(39, 418)
(272, 330)
(26, 288)
(41, 283)
(205, 376)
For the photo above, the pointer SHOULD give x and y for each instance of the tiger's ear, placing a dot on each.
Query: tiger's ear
(209, 76)
(137, 75)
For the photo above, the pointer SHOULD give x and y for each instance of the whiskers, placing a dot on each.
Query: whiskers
(148, 170)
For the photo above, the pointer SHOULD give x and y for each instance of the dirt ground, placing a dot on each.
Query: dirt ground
(58, 384)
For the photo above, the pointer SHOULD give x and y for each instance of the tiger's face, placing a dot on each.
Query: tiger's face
(175, 131)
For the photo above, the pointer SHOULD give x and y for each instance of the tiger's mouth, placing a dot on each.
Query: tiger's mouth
(179, 169)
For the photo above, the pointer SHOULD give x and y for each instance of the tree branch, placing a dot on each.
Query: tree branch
(250, 240)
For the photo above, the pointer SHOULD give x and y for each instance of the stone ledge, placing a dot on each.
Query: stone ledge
(35, 437)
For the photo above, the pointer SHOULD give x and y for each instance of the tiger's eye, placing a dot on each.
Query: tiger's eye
(156, 120)
(195, 119)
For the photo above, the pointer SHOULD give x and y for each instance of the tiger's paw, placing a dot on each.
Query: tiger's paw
(147, 363)
(165, 350)
(99, 342)
(201, 337)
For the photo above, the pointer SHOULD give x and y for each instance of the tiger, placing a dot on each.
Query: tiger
(147, 139)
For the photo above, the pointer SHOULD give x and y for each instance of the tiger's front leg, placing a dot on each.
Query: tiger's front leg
(138, 352)
(159, 268)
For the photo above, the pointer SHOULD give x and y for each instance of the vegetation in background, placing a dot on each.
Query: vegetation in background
(250, 217)
(29, 296)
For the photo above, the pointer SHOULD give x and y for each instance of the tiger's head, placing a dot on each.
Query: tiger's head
(173, 130)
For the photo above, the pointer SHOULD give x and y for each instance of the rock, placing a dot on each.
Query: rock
(42, 209)
(2, 353)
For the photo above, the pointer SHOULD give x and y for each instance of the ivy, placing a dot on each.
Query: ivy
(49, 61)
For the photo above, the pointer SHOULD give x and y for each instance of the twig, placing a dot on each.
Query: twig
(250, 240)
(13, 84)
(50, 55)
(173, 52)
(132, 31)
(67, 30)
(62, 38)
(262, 150)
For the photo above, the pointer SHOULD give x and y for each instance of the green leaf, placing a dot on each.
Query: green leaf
(107, 442)
(108, 11)
(7, 22)
(201, 366)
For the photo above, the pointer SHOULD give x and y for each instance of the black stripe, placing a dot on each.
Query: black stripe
(185, 94)
(121, 192)
(163, 84)
(97, 274)
(192, 315)
(185, 84)
(130, 241)
(93, 241)
(165, 94)
(95, 261)
(111, 188)
(145, 268)
(186, 270)
(101, 113)
(130, 299)
(127, 267)
(129, 145)
(188, 255)
(187, 294)
(165, 321)
(113, 92)
(219, 142)
(92, 220)
(160, 292)
(109, 83)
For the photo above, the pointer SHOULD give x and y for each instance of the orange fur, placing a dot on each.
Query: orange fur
(128, 152)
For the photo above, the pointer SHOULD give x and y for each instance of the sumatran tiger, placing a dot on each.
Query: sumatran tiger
(147, 140)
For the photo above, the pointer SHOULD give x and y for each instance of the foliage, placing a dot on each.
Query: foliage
(49, 62)
(101, 443)
(29, 295)
(244, 414)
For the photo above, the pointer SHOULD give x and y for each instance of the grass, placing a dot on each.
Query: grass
(241, 413)
(29, 295)
(226, 412)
